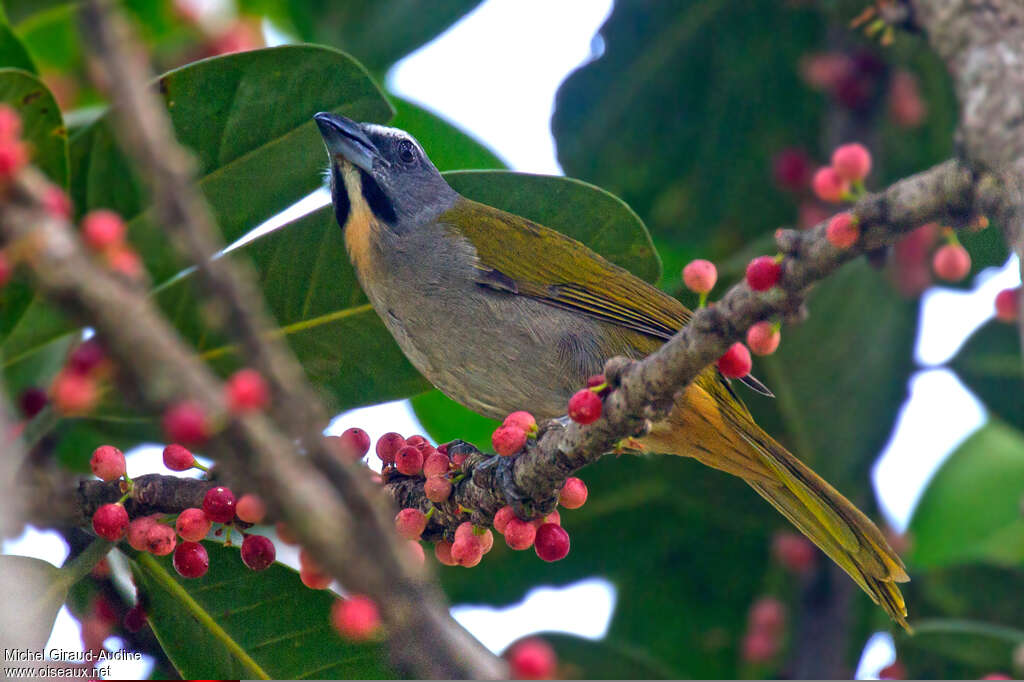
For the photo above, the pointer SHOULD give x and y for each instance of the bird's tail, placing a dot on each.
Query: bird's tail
(727, 438)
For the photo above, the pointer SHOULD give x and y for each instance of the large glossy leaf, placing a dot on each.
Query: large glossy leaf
(42, 124)
(989, 364)
(12, 50)
(236, 624)
(970, 510)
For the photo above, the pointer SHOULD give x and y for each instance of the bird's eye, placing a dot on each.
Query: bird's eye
(406, 151)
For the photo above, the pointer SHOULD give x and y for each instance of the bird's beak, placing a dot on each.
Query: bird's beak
(344, 137)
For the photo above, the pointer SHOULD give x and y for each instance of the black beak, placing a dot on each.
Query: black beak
(344, 137)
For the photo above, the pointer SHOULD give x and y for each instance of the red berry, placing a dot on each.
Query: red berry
(436, 464)
(763, 338)
(409, 460)
(767, 614)
(437, 488)
(829, 186)
(1008, 304)
(852, 161)
(6, 269)
(193, 524)
(410, 523)
(416, 551)
(519, 534)
(736, 362)
(573, 494)
(794, 552)
(185, 422)
(700, 276)
(314, 579)
(246, 391)
(502, 517)
(250, 508)
(842, 231)
(102, 229)
(791, 169)
(56, 202)
(160, 539)
(554, 517)
(552, 542)
(355, 443)
(258, 552)
(219, 504)
(86, 357)
(417, 441)
(388, 446)
(508, 440)
(191, 560)
(443, 552)
(468, 549)
(355, 618)
(523, 420)
(135, 618)
(893, 671)
(951, 262)
(13, 156)
(763, 273)
(107, 463)
(138, 531)
(465, 529)
(73, 393)
(178, 458)
(32, 401)
(585, 406)
(759, 646)
(123, 260)
(531, 659)
(10, 123)
(110, 521)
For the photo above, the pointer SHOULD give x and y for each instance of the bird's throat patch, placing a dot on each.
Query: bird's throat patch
(376, 199)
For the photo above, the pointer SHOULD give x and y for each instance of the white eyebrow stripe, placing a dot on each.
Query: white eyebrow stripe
(385, 131)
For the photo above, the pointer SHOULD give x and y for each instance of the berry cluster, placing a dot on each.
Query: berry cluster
(103, 231)
(187, 422)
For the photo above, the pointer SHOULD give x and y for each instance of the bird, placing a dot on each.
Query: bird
(503, 314)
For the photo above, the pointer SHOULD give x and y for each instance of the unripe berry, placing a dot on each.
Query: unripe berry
(355, 618)
(1008, 305)
(32, 401)
(502, 517)
(573, 494)
(219, 504)
(258, 552)
(251, 508)
(138, 531)
(585, 406)
(852, 161)
(73, 393)
(246, 391)
(191, 560)
(531, 659)
(736, 362)
(519, 534)
(102, 229)
(794, 552)
(160, 539)
(767, 614)
(508, 440)
(355, 443)
(763, 273)
(410, 523)
(436, 464)
(551, 542)
(110, 521)
(437, 489)
(842, 231)
(193, 524)
(409, 460)
(763, 338)
(185, 422)
(759, 646)
(951, 262)
(829, 186)
(107, 463)
(178, 458)
(700, 276)
(388, 446)
(443, 552)
(86, 357)
(524, 420)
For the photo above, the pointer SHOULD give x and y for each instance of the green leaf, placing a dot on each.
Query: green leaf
(989, 363)
(41, 121)
(12, 50)
(970, 510)
(40, 591)
(236, 624)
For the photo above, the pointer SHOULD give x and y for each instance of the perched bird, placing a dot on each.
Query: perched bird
(541, 313)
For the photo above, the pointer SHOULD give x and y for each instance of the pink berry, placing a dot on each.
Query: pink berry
(178, 458)
(573, 494)
(700, 276)
(355, 618)
(791, 169)
(893, 671)
(552, 542)
(313, 579)
(829, 186)
(410, 523)
(191, 560)
(443, 552)
(436, 464)
(794, 552)
(554, 517)
(102, 229)
(219, 504)
(13, 157)
(107, 463)
(258, 552)
(409, 460)
(523, 420)
(193, 524)
(759, 646)
(355, 443)
(110, 521)
(388, 446)
(502, 517)
(123, 260)
(996, 676)
(842, 231)
(251, 508)
(10, 123)
(736, 362)
(531, 659)
(852, 161)
(767, 614)
(465, 529)
(417, 441)
(437, 489)
(585, 406)
(247, 391)
(519, 534)
(486, 540)
(160, 539)
(73, 393)
(468, 550)
(508, 440)
(763, 338)
(86, 357)
(56, 202)
(763, 273)
(138, 531)
(185, 422)
(951, 262)
(1008, 304)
